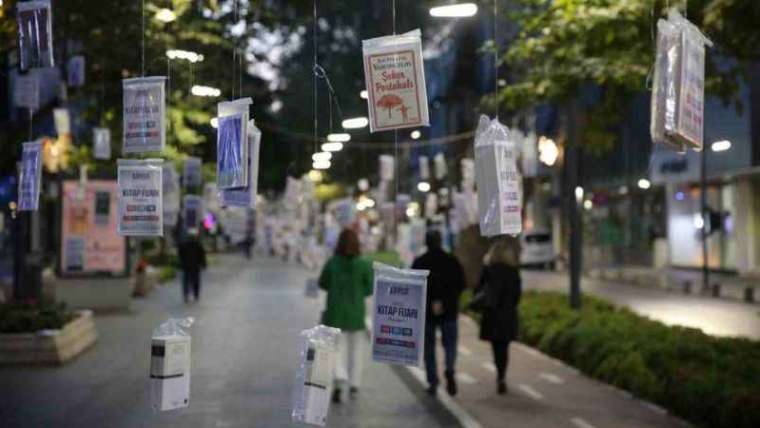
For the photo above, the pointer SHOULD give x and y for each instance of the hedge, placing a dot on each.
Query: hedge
(30, 318)
(709, 381)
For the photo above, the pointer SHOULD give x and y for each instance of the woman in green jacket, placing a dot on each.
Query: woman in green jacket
(348, 280)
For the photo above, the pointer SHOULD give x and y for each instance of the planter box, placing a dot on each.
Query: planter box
(49, 347)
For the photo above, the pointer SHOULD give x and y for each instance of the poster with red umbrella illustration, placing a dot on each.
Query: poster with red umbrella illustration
(395, 80)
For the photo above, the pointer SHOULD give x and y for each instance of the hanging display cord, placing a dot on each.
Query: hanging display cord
(496, 55)
(396, 159)
(314, 77)
(142, 48)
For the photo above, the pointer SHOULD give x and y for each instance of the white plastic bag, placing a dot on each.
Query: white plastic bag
(246, 196)
(140, 197)
(170, 359)
(232, 144)
(441, 169)
(395, 79)
(387, 167)
(499, 181)
(144, 114)
(35, 34)
(191, 174)
(102, 143)
(314, 376)
(398, 328)
(424, 168)
(30, 176)
(468, 174)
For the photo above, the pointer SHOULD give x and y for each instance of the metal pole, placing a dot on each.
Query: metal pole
(705, 218)
(576, 236)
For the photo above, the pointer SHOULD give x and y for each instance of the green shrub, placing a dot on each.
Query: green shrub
(29, 318)
(167, 273)
(710, 381)
(387, 257)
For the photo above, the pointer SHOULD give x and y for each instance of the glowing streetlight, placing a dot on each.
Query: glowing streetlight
(315, 176)
(588, 204)
(579, 193)
(416, 135)
(462, 10)
(166, 15)
(205, 91)
(548, 152)
(423, 186)
(644, 184)
(338, 138)
(355, 123)
(332, 147)
(321, 157)
(214, 122)
(186, 55)
(363, 94)
(721, 146)
(321, 165)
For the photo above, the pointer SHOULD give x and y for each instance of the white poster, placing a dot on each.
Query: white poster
(395, 79)
(26, 91)
(140, 197)
(62, 121)
(30, 176)
(102, 143)
(246, 197)
(398, 328)
(144, 119)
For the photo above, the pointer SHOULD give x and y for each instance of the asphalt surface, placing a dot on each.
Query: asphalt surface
(244, 355)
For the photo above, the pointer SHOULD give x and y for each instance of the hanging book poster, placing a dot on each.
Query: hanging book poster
(246, 197)
(75, 71)
(398, 328)
(31, 176)
(192, 211)
(102, 142)
(144, 107)
(26, 91)
(191, 174)
(692, 93)
(395, 79)
(140, 197)
(35, 34)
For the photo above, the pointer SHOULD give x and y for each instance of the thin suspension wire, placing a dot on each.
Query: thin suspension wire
(142, 49)
(496, 56)
(314, 76)
(396, 158)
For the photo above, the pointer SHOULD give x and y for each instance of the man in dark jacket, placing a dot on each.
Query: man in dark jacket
(192, 259)
(445, 284)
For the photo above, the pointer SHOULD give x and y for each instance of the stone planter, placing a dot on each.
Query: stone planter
(49, 347)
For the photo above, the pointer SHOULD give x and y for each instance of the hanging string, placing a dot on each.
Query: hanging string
(142, 49)
(496, 55)
(314, 76)
(396, 159)
(234, 45)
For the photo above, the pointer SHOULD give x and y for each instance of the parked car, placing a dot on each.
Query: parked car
(537, 249)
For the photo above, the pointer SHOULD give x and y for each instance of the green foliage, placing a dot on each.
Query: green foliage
(167, 273)
(29, 318)
(710, 381)
(390, 258)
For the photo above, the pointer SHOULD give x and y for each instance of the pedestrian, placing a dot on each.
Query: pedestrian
(445, 284)
(497, 297)
(348, 280)
(192, 259)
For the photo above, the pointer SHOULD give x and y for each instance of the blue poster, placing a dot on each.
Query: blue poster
(31, 174)
(230, 164)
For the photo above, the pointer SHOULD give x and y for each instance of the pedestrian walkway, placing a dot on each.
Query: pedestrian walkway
(543, 392)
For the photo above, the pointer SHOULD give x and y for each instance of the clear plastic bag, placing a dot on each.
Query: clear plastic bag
(441, 169)
(400, 303)
(232, 144)
(35, 34)
(246, 196)
(468, 174)
(144, 114)
(30, 176)
(314, 376)
(499, 181)
(140, 197)
(170, 359)
(102, 143)
(395, 79)
(387, 167)
(424, 168)
(191, 173)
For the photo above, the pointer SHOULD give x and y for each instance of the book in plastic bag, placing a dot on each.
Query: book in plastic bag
(314, 376)
(170, 359)
(35, 34)
(144, 114)
(232, 144)
(30, 176)
(246, 196)
(140, 197)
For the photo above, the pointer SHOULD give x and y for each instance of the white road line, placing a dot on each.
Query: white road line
(532, 393)
(466, 379)
(551, 378)
(580, 423)
(489, 367)
(464, 418)
(464, 351)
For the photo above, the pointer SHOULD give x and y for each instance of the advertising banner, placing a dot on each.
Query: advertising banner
(30, 176)
(398, 328)
(246, 196)
(89, 241)
(395, 79)
(35, 34)
(144, 118)
(140, 197)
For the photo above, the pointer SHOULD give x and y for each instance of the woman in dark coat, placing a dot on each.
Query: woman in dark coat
(501, 287)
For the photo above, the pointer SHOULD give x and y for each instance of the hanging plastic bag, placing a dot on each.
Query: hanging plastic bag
(398, 327)
(140, 197)
(395, 79)
(30, 178)
(170, 359)
(35, 34)
(170, 185)
(499, 182)
(62, 121)
(232, 144)
(191, 174)
(246, 196)
(144, 114)
(441, 169)
(424, 168)
(192, 211)
(468, 174)
(26, 91)
(314, 376)
(387, 167)
(102, 140)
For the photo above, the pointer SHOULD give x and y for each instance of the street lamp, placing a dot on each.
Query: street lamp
(186, 55)
(339, 138)
(214, 122)
(321, 157)
(423, 186)
(205, 91)
(355, 123)
(332, 147)
(320, 165)
(166, 15)
(644, 184)
(462, 10)
(363, 94)
(548, 152)
(415, 135)
(721, 146)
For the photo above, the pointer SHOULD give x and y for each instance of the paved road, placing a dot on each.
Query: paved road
(244, 355)
(714, 316)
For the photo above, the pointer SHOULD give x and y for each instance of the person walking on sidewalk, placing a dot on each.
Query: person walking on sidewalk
(192, 259)
(347, 278)
(497, 297)
(445, 284)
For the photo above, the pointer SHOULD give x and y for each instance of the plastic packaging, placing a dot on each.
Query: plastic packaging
(62, 120)
(314, 376)
(387, 167)
(170, 359)
(30, 176)
(468, 174)
(499, 181)
(102, 143)
(232, 144)
(144, 114)
(398, 328)
(170, 185)
(246, 196)
(140, 197)
(677, 111)
(395, 78)
(35, 34)
(191, 174)
(424, 168)
(441, 169)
